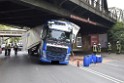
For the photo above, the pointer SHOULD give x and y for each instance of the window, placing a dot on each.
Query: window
(58, 35)
(79, 42)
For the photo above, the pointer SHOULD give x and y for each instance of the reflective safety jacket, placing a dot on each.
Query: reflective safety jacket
(118, 46)
(94, 48)
(99, 48)
(109, 47)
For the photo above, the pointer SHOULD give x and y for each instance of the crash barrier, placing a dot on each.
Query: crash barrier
(89, 59)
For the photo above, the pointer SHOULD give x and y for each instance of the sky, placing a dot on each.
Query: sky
(116, 3)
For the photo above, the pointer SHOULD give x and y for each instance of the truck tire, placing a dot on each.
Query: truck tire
(30, 53)
(37, 51)
(34, 52)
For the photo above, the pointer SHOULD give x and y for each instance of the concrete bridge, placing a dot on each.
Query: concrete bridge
(35, 12)
(92, 16)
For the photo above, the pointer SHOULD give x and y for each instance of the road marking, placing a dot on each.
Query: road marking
(103, 75)
(115, 80)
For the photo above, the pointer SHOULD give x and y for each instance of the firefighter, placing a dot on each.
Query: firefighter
(109, 47)
(9, 49)
(0, 50)
(6, 49)
(94, 48)
(99, 48)
(118, 47)
(16, 48)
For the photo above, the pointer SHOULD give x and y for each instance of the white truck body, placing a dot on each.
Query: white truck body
(52, 41)
(33, 37)
(68, 26)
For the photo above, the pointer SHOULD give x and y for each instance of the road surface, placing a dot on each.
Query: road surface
(24, 69)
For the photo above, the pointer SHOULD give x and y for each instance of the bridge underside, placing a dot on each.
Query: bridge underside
(18, 14)
(36, 12)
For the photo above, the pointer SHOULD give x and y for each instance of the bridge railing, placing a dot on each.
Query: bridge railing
(118, 13)
(97, 6)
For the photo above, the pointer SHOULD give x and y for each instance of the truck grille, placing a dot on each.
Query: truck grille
(56, 54)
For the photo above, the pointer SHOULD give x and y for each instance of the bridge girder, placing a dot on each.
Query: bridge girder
(38, 11)
(117, 13)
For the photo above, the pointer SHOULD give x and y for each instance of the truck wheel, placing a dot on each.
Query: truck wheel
(30, 52)
(35, 53)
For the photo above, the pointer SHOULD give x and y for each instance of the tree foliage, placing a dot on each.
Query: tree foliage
(117, 33)
(14, 39)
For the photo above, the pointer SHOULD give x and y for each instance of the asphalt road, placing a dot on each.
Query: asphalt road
(24, 69)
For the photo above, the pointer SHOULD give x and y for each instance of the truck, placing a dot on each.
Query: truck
(51, 41)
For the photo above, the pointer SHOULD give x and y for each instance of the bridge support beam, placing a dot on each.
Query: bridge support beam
(42, 5)
(57, 10)
(83, 4)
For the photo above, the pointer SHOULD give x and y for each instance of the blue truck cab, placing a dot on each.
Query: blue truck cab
(57, 42)
(53, 41)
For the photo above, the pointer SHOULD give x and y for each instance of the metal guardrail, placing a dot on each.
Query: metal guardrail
(97, 6)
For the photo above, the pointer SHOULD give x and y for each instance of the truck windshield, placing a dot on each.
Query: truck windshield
(58, 35)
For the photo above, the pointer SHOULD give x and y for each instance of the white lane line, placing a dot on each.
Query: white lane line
(103, 75)
(115, 80)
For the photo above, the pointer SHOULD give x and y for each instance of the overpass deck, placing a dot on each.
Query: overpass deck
(35, 12)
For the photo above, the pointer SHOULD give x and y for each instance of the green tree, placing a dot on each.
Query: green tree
(14, 39)
(117, 33)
